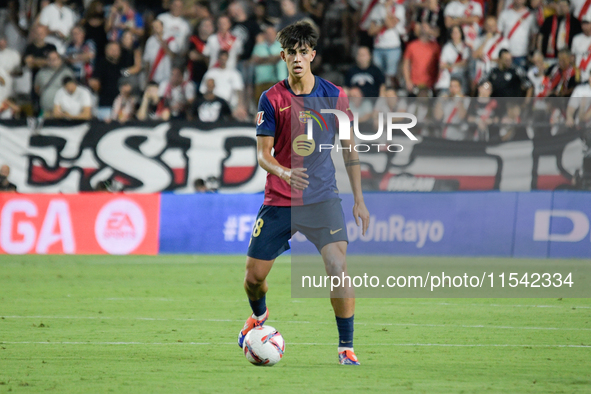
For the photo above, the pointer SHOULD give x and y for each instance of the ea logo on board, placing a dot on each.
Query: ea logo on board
(120, 226)
(303, 146)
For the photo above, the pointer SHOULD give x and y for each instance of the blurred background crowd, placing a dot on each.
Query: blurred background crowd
(120, 60)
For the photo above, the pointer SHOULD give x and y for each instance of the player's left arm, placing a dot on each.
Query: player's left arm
(351, 158)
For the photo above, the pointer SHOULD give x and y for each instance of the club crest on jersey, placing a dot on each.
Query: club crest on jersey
(304, 116)
(260, 118)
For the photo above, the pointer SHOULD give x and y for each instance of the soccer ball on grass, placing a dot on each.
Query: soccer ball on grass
(264, 346)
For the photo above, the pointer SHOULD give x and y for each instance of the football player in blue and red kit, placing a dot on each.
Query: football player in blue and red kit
(301, 191)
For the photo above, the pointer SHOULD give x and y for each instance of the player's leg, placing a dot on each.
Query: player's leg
(268, 240)
(342, 299)
(255, 284)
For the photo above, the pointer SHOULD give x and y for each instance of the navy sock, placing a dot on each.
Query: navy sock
(345, 326)
(259, 306)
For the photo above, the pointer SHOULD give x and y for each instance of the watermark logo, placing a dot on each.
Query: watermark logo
(392, 120)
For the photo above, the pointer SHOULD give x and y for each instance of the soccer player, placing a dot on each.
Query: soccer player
(308, 191)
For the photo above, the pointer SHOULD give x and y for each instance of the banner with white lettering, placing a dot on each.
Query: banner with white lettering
(67, 157)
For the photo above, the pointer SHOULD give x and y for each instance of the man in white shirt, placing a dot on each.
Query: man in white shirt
(72, 101)
(174, 24)
(487, 48)
(157, 53)
(518, 25)
(388, 21)
(580, 100)
(178, 94)
(467, 14)
(581, 48)
(228, 85)
(59, 20)
(223, 40)
(10, 59)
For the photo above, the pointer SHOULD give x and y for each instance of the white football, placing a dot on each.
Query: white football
(264, 346)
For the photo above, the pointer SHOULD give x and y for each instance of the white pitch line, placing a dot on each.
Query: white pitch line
(294, 344)
(303, 322)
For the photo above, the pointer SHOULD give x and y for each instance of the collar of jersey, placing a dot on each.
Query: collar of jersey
(286, 83)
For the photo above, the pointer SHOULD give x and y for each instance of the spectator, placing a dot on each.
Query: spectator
(174, 25)
(178, 94)
(125, 103)
(518, 25)
(365, 75)
(260, 13)
(483, 113)
(387, 26)
(452, 111)
(432, 14)
(290, 12)
(487, 48)
(197, 12)
(223, 40)
(581, 48)
(16, 35)
(131, 58)
(105, 78)
(59, 20)
(123, 17)
(537, 75)
(421, 61)
(315, 9)
(80, 54)
(158, 53)
(453, 61)
(36, 55)
(507, 80)
(200, 186)
(511, 127)
(94, 26)
(198, 61)
(211, 108)
(561, 77)
(269, 68)
(467, 14)
(580, 9)
(558, 31)
(363, 108)
(72, 101)
(245, 28)
(49, 80)
(5, 185)
(578, 111)
(228, 85)
(10, 59)
(152, 107)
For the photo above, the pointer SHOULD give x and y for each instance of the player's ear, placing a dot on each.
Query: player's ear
(313, 55)
(283, 55)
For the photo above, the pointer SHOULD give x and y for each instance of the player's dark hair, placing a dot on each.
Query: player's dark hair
(299, 34)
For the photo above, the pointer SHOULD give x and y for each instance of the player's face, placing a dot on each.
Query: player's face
(298, 60)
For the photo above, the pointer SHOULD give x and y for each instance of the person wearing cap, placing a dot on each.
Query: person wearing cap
(581, 48)
(72, 101)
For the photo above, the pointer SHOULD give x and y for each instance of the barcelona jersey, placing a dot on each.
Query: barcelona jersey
(288, 118)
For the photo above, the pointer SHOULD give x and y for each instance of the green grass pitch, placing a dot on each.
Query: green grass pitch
(168, 324)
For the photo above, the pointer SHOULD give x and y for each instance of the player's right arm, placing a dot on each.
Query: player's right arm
(265, 129)
(295, 177)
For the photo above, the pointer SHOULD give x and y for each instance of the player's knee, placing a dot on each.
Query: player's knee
(251, 280)
(335, 265)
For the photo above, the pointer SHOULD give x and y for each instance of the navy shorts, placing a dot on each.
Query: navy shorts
(322, 223)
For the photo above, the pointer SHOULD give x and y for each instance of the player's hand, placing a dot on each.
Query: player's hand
(297, 178)
(360, 212)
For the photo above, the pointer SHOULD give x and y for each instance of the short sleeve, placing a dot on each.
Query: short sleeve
(343, 104)
(265, 120)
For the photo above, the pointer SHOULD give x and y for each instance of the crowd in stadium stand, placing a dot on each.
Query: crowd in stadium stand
(120, 60)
